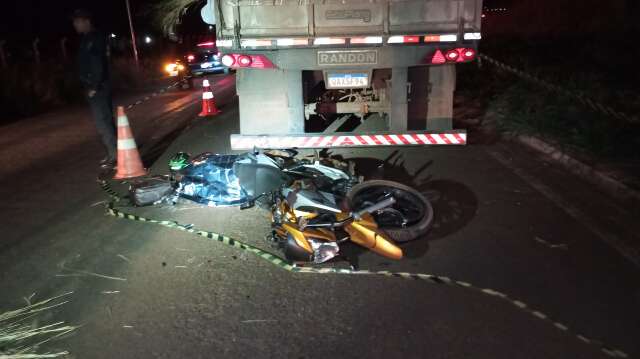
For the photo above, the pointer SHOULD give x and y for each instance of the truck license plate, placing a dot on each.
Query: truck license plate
(347, 80)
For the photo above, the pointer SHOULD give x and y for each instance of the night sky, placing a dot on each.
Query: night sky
(47, 18)
(26, 19)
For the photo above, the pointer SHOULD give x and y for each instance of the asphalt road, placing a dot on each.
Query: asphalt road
(505, 220)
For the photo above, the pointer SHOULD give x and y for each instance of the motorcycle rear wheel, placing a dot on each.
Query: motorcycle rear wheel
(408, 219)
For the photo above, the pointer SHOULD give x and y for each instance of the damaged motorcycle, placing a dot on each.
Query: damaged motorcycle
(316, 204)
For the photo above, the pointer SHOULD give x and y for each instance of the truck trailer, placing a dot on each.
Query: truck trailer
(382, 70)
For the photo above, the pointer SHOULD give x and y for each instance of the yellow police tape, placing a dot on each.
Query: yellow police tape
(288, 266)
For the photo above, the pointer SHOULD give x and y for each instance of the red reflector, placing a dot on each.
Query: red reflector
(438, 58)
(411, 39)
(468, 54)
(452, 55)
(244, 60)
(261, 62)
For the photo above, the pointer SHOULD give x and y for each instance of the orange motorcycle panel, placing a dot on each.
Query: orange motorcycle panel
(298, 236)
(367, 221)
(373, 239)
(320, 233)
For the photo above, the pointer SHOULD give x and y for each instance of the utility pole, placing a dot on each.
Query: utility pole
(3, 55)
(36, 50)
(63, 49)
(133, 35)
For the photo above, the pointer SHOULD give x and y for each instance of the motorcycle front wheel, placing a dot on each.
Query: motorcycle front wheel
(409, 218)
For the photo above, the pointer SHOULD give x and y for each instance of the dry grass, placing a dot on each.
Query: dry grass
(21, 338)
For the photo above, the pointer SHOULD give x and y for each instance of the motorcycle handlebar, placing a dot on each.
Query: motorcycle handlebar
(375, 207)
(355, 215)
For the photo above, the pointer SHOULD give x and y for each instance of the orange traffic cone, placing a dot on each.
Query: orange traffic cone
(129, 162)
(208, 102)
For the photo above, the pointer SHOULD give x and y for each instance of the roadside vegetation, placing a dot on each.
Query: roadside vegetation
(588, 65)
(27, 89)
(31, 84)
(168, 14)
(588, 49)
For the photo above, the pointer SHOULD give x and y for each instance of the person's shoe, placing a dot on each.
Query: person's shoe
(105, 160)
(108, 163)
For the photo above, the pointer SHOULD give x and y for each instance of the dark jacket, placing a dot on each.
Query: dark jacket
(93, 65)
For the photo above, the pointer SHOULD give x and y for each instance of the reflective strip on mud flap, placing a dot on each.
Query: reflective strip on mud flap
(288, 266)
(247, 142)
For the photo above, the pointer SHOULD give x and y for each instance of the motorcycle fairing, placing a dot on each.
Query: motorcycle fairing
(333, 173)
(298, 199)
(366, 233)
(259, 174)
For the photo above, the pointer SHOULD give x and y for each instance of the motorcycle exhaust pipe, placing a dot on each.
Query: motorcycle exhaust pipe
(375, 207)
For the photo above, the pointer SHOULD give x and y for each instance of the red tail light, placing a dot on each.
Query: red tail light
(228, 60)
(438, 58)
(244, 61)
(251, 61)
(190, 58)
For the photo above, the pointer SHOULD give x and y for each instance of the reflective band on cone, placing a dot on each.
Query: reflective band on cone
(127, 144)
(123, 121)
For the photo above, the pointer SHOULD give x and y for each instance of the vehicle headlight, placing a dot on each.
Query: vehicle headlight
(171, 67)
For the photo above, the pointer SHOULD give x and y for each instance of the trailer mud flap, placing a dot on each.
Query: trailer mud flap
(420, 138)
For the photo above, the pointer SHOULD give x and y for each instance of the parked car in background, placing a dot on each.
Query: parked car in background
(205, 59)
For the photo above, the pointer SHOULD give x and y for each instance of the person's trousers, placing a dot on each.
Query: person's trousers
(102, 109)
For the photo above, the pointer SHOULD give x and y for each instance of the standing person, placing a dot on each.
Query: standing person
(93, 70)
